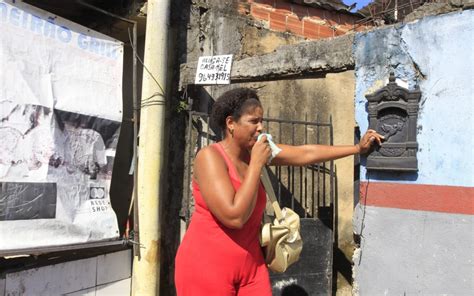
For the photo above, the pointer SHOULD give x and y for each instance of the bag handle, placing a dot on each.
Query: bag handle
(265, 178)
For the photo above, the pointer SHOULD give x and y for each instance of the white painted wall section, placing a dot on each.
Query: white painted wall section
(107, 274)
(406, 252)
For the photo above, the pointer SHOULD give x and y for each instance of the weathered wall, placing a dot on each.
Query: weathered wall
(198, 28)
(415, 229)
(318, 81)
(305, 59)
(309, 99)
(108, 274)
(438, 7)
(215, 27)
(321, 97)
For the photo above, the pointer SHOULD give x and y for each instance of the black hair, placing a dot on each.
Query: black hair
(233, 103)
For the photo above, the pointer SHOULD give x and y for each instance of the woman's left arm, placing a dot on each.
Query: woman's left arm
(309, 154)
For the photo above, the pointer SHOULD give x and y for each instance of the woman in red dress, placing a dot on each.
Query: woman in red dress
(220, 253)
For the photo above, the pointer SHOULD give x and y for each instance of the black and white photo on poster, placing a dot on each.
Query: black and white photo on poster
(27, 141)
(83, 161)
(27, 201)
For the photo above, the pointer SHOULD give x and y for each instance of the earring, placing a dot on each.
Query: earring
(231, 131)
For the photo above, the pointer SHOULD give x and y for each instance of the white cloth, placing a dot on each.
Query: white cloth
(273, 146)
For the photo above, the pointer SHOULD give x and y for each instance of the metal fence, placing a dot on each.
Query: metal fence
(308, 190)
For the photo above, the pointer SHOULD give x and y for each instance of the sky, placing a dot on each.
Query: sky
(360, 3)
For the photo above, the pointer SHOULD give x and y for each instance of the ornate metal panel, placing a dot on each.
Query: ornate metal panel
(393, 112)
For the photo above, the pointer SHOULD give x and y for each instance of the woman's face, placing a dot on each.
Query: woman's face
(249, 126)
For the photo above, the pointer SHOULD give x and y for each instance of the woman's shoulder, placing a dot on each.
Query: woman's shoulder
(209, 158)
(209, 153)
(208, 150)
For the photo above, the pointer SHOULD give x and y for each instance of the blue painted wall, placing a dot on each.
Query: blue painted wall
(406, 252)
(437, 54)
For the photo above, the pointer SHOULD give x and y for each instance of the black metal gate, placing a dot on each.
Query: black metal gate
(309, 191)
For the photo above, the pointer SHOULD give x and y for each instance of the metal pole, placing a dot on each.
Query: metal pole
(146, 271)
(136, 247)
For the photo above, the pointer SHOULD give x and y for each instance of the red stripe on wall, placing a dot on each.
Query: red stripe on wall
(445, 199)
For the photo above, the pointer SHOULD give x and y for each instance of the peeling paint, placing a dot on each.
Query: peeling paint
(378, 84)
(355, 285)
(427, 58)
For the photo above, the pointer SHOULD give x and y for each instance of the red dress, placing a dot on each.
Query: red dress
(215, 260)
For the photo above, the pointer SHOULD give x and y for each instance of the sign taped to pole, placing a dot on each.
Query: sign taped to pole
(60, 117)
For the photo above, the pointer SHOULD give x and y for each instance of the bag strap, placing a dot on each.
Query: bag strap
(271, 193)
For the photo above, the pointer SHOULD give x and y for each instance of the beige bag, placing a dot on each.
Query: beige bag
(281, 240)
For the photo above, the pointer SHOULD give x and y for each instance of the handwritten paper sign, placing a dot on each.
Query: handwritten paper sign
(214, 69)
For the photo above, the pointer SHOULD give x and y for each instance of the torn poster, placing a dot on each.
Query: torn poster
(60, 116)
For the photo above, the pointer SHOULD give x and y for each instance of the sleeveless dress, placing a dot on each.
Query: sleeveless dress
(216, 260)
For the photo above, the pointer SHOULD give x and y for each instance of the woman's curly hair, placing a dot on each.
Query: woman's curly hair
(233, 103)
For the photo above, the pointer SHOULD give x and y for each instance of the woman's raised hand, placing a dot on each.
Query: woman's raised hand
(369, 138)
(261, 152)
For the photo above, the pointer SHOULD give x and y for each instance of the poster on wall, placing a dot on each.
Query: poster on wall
(60, 116)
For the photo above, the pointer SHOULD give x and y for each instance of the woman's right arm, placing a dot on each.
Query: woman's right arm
(231, 208)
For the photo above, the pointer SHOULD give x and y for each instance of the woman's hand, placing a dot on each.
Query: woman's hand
(261, 152)
(369, 138)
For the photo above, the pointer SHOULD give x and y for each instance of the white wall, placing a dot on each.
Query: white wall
(107, 274)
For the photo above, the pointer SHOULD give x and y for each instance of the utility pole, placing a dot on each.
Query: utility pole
(146, 268)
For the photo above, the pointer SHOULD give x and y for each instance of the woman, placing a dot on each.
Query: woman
(220, 253)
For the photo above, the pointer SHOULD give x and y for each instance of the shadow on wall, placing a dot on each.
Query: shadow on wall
(173, 189)
(392, 176)
(388, 175)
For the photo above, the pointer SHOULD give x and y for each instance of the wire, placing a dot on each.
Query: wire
(381, 13)
(362, 224)
(143, 64)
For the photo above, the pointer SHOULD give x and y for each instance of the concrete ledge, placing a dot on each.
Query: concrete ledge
(315, 57)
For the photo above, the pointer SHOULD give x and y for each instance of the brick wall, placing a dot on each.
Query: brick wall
(299, 19)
